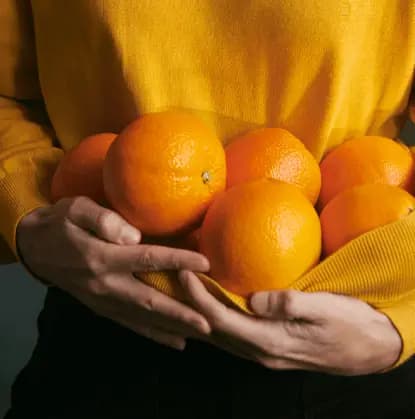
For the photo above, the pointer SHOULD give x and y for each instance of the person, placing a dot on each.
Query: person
(111, 346)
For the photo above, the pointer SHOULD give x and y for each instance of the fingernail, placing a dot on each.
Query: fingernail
(130, 235)
(259, 303)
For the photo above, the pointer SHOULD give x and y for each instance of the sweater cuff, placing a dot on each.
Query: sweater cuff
(23, 189)
(402, 315)
(18, 196)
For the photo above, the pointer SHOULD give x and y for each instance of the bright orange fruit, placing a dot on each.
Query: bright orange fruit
(163, 171)
(360, 209)
(80, 170)
(365, 159)
(273, 153)
(260, 235)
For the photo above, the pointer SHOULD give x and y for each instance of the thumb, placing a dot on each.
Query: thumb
(104, 223)
(287, 305)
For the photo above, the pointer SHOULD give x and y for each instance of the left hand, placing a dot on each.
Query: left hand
(296, 330)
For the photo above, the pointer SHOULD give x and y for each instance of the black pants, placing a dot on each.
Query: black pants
(85, 366)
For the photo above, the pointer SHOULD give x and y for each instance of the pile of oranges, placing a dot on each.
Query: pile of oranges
(261, 209)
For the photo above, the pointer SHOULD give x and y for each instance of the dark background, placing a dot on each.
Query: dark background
(21, 299)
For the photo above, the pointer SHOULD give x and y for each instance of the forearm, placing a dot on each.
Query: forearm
(27, 161)
(28, 155)
(402, 315)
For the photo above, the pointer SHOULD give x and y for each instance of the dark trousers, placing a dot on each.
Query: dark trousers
(85, 366)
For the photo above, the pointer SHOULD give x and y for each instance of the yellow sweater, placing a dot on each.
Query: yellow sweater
(325, 70)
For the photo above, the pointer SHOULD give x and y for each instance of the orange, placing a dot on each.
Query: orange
(260, 235)
(80, 170)
(163, 171)
(360, 209)
(273, 153)
(365, 159)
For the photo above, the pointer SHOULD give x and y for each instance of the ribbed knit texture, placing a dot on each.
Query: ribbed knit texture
(325, 70)
(377, 267)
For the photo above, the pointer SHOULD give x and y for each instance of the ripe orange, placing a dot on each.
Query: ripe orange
(80, 170)
(360, 209)
(163, 171)
(274, 153)
(366, 159)
(259, 235)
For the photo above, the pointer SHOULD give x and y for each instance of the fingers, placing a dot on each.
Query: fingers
(156, 334)
(291, 304)
(160, 307)
(276, 363)
(226, 346)
(271, 362)
(221, 318)
(174, 310)
(104, 223)
(146, 258)
(109, 226)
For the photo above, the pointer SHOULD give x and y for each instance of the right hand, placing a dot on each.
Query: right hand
(91, 252)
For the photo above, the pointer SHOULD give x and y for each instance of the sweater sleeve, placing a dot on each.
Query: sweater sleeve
(377, 267)
(402, 313)
(27, 152)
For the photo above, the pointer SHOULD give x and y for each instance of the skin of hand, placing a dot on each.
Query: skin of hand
(92, 253)
(322, 332)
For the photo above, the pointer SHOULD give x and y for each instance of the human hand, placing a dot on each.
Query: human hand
(91, 252)
(296, 330)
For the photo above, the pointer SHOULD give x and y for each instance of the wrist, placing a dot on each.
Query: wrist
(22, 260)
(29, 270)
(391, 345)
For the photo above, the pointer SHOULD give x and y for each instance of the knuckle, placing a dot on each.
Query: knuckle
(105, 220)
(101, 286)
(274, 299)
(290, 303)
(176, 261)
(94, 262)
(73, 204)
(147, 260)
(149, 303)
